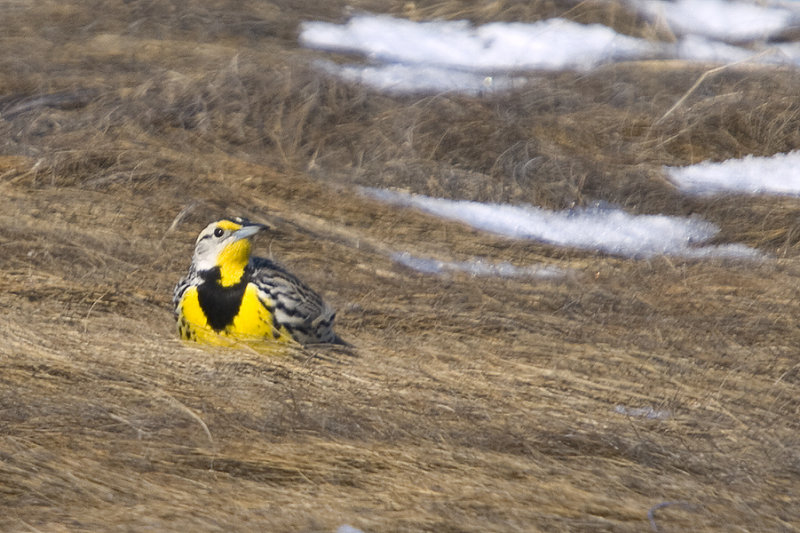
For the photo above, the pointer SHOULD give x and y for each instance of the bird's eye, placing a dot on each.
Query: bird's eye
(219, 232)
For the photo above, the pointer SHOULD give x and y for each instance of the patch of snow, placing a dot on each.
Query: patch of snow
(702, 49)
(404, 79)
(549, 44)
(727, 20)
(477, 267)
(346, 528)
(779, 174)
(611, 231)
(434, 56)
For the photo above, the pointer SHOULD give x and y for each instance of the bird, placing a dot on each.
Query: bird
(229, 295)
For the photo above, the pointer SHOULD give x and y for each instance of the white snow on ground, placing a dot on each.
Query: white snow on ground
(435, 56)
(779, 174)
(399, 78)
(702, 49)
(405, 56)
(347, 528)
(720, 19)
(455, 56)
(477, 267)
(441, 56)
(611, 231)
(548, 44)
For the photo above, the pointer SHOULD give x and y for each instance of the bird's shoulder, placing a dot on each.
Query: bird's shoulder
(284, 287)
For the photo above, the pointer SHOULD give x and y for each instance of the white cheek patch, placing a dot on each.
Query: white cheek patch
(205, 264)
(205, 256)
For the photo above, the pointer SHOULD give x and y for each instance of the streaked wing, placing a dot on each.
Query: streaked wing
(295, 305)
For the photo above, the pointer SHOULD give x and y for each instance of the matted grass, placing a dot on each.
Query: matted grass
(465, 404)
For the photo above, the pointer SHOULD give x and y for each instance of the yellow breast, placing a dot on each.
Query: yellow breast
(253, 322)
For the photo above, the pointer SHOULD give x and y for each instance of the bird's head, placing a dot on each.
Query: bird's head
(225, 245)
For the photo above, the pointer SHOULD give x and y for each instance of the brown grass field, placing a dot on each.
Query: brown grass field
(472, 404)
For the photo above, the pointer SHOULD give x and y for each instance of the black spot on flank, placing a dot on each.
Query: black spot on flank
(220, 304)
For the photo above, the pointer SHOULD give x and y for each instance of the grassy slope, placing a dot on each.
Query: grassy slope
(467, 404)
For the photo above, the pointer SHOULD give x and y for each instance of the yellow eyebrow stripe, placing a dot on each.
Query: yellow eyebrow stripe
(229, 225)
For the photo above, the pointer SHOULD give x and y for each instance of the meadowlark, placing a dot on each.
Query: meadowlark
(229, 295)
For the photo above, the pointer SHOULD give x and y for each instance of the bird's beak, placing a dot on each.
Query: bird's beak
(248, 231)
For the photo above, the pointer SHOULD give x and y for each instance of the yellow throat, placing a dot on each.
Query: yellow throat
(232, 262)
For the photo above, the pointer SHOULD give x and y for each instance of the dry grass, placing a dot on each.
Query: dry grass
(467, 404)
